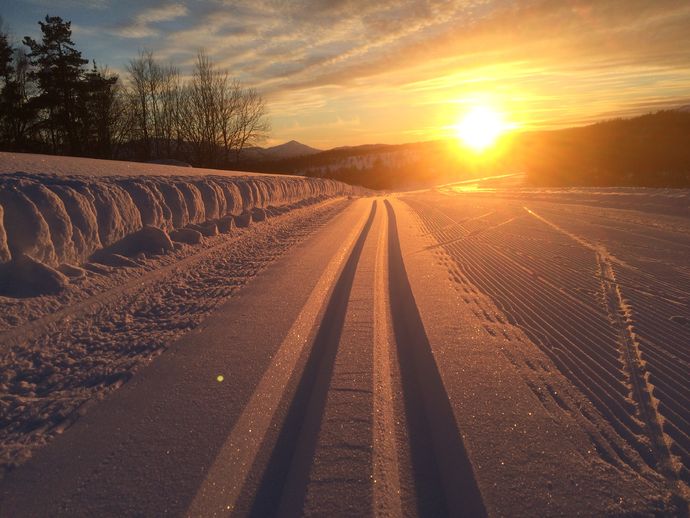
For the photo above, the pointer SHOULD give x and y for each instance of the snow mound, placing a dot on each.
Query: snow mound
(62, 219)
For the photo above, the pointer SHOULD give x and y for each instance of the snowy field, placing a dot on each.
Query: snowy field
(68, 166)
(599, 280)
(127, 256)
(302, 347)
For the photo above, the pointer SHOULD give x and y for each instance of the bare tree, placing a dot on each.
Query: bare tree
(210, 116)
(169, 122)
(199, 109)
(156, 94)
(124, 123)
(230, 99)
(139, 102)
(252, 125)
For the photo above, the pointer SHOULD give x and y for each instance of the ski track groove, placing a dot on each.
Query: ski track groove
(442, 475)
(283, 486)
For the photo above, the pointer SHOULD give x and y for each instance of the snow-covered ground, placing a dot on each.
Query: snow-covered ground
(93, 167)
(473, 349)
(58, 212)
(61, 352)
(599, 280)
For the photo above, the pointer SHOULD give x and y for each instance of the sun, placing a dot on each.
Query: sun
(481, 127)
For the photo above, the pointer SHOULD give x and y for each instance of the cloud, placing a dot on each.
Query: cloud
(142, 25)
(550, 61)
(67, 4)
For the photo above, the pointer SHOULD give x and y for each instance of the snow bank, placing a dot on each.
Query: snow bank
(63, 219)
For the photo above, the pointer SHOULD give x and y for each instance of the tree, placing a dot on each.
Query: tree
(220, 116)
(201, 110)
(251, 124)
(155, 97)
(58, 69)
(98, 110)
(16, 114)
(229, 103)
(6, 53)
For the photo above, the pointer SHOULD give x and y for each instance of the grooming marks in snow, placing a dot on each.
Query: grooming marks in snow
(596, 287)
(66, 219)
(426, 355)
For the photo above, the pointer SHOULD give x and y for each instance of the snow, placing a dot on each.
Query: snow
(68, 166)
(113, 320)
(594, 279)
(517, 324)
(62, 210)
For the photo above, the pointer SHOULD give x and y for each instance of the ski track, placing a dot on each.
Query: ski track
(321, 458)
(364, 416)
(57, 365)
(606, 305)
(352, 413)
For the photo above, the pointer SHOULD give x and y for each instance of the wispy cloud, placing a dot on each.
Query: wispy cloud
(68, 4)
(143, 24)
(404, 66)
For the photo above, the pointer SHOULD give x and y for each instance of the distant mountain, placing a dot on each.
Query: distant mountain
(292, 149)
(385, 166)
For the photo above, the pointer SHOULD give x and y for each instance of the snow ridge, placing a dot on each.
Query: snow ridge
(49, 222)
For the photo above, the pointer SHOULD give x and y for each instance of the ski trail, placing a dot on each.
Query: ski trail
(285, 483)
(385, 455)
(635, 367)
(444, 475)
(234, 461)
(636, 372)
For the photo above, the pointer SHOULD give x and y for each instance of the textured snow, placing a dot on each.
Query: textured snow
(64, 211)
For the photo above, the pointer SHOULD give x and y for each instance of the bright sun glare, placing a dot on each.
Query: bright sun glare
(481, 127)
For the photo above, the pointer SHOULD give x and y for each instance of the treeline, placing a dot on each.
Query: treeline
(652, 150)
(52, 102)
(402, 166)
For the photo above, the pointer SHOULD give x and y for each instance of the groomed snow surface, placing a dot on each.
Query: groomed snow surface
(598, 279)
(57, 212)
(467, 350)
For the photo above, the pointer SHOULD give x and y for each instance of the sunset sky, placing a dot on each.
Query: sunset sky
(351, 72)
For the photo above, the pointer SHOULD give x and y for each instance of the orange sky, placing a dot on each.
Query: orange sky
(343, 72)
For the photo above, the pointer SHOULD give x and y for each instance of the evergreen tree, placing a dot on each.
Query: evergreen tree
(97, 110)
(16, 116)
(6, 52)
(58, 71)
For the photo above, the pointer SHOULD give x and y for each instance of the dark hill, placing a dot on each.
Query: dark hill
(652, 150)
